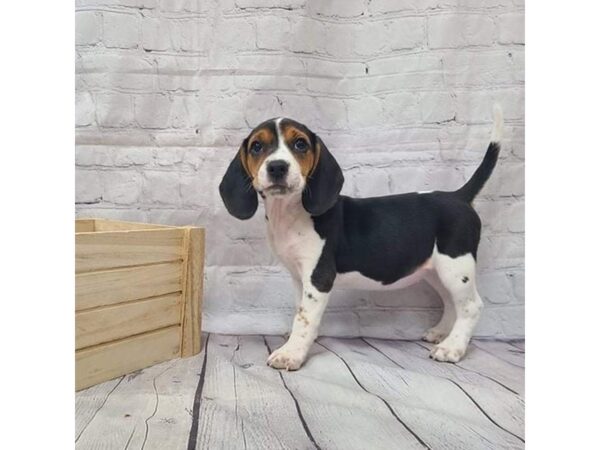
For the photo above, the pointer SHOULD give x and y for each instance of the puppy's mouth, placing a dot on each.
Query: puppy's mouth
(278, 189)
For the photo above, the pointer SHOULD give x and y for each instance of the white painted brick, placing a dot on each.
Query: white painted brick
(161, 188)
(155, 34)
(131, 3)
(88, 27)
(194, 190)
(235, 35)
(133, 157)
(88, 186)
(229, 113)
(190, 35)
(122, 187)
(365, 112)
(120, 30)
(114, 110)
(308, 36)
(153, 110)
(476, 105)
(405, 33)
(337, 8)
(261, 107)
(495, 288)
(273, 33)
(518, 281)
(333, 112)
(179, 6)
(85, 110)
(168, 156)
(476, 68)
(92, 155)
(460, 30)
(401, 108)
(287, 4)
(437, 107)
(342, 39)
(512, 28)
(392, 6)
(370, 183)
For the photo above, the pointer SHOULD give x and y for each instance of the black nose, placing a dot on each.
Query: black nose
(277, 170)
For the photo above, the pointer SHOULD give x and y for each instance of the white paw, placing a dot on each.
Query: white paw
(286, 358)
(434, 335)
(447, 353)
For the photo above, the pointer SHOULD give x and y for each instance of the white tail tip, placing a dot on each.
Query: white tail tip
(498, 124)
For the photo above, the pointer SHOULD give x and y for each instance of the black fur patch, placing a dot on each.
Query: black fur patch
(388, 238)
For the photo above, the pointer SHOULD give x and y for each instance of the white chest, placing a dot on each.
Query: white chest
(294, 240)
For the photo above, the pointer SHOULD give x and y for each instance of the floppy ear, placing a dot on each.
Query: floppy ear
(324, 184)
(236, 189)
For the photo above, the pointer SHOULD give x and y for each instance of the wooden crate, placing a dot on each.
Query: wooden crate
(138, 293)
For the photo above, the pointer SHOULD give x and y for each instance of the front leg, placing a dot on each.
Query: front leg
(305, 329)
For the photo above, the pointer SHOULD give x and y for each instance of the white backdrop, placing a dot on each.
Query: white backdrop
(400, 91)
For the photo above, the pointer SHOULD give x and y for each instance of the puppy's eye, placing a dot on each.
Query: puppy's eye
(300, 145)
(256, 148)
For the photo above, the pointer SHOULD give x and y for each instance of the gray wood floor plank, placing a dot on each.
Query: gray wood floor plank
(503, 350)
(121, 422)
(502, 406)
(89, 401)
(337, 412)
(489, 365)
(518, 343)
(435, 409)
(245, 404)
(169, 425)
(354, 394)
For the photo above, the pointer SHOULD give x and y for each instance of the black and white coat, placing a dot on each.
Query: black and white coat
(327, 240)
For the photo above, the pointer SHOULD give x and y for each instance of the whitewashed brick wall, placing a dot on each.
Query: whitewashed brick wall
(400, 90)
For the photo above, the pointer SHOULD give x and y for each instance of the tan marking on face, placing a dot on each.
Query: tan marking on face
(253, 162)
(306, 160)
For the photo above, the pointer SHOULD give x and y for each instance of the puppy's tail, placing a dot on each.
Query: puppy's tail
(470, 190)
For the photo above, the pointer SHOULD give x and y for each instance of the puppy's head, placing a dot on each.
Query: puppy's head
(281, 157)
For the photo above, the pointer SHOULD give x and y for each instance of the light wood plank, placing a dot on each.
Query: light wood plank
(120, 225)
(108, 287)
(150, 409)
(338, 412)
(84, 225)
(90, 401)
(503, 350)
(96, 364)
(114, 322)
(246, 399)
(121, 422)
(518, 343)
(438, 413)
(504, 407)
(192, 290)
(488, 365)
(107, 250)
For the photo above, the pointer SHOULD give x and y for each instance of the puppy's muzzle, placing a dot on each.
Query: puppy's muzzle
(277, 171)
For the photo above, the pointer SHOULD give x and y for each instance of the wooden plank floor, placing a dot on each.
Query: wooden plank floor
(351, 394)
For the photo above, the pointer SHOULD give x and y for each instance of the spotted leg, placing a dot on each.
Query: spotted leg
(305, 329)
(439, 332)
(457, 275)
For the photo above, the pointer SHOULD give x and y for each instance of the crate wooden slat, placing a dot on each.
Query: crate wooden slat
(138, 296)
(127, 319)
(128, 283)
(103, 362)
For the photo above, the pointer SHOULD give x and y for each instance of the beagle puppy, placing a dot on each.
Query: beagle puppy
(327, 240)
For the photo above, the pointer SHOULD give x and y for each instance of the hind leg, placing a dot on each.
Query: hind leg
(439, 332)
(457, 275)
